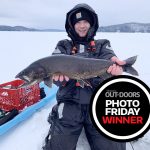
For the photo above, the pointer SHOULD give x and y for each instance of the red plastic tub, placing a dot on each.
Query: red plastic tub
(12, 97)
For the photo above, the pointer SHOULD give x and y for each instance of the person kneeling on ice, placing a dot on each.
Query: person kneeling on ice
(71, 113)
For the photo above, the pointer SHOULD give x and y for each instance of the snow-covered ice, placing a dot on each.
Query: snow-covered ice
(19, 49)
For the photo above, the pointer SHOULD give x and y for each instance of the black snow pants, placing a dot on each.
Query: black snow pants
(67, 120)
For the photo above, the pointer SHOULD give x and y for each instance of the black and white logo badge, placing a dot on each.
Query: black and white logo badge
(121, 108)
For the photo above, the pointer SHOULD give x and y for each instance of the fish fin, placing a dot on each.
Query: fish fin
(84, 82)
(81, 83)
(48, 81)
(130, 70)
(87, 83)
(130, 61)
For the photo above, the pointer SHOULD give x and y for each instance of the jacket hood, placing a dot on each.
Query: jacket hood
(70, 28)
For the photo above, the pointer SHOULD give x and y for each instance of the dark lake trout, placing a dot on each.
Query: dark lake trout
(75, 67)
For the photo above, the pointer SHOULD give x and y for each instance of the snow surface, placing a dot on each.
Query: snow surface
(19, 49)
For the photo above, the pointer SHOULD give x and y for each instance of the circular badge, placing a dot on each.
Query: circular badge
(120, 108)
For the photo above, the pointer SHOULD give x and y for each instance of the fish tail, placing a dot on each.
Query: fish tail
(128, 66)
(130, 61)
(130, 70)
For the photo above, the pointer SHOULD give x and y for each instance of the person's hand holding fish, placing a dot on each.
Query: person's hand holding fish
(116, 69)
(60, 78)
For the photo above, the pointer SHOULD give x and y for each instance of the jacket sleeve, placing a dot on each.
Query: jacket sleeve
(106, 51)
(60, 48)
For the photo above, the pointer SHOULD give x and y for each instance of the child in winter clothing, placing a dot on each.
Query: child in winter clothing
(71, 113)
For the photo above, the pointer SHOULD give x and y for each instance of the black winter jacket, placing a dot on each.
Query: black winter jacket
(71, 92)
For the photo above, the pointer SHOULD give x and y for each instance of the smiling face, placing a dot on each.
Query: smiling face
(82, 27)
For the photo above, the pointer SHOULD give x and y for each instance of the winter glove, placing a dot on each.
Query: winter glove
(42, 93)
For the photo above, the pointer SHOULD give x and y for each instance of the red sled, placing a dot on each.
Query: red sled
(12, 97)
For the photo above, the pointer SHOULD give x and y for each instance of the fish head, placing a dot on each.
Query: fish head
(31, 75)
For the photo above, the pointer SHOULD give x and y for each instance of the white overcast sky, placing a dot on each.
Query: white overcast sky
(52, 13)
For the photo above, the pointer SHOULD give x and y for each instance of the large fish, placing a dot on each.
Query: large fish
(75, 67)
